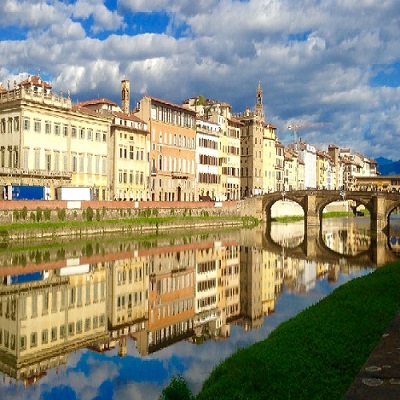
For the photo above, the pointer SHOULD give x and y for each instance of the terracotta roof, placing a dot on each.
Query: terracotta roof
(97, 101)
(130, 117)
(235, 120)
(168, 103)
(35, 81)
(85, 110)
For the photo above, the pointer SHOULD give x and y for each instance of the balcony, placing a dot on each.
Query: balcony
(179, 175)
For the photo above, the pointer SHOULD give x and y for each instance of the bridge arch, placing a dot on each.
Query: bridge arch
(313, 202)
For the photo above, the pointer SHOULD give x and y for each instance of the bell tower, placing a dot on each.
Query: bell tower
(259, 102)
(125, 96)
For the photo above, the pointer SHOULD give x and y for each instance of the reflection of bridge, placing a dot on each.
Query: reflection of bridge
(313, 247)
(313, 202)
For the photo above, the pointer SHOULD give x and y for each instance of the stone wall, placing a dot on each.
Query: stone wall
(12, 212)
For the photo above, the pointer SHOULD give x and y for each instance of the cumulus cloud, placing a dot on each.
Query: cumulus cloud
(315, 59)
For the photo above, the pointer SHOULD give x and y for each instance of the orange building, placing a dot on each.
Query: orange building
(172, 149)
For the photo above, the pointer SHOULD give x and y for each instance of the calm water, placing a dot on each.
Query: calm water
(118, 318)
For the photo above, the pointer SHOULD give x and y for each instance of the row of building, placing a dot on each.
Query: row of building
(158, 151)
(156, 296)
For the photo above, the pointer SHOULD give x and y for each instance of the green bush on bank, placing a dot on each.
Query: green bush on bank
(318, 353)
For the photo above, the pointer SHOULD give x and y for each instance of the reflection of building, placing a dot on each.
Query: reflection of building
(228, 286)
(171, 297)
(168, 290)
(45, 315)
(127, 304)
(206, 310)
(251, 273)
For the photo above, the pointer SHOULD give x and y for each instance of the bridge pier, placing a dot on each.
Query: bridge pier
(311, 215)
(311, 235)
(378, 214)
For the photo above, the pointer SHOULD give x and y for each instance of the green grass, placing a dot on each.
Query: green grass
(316, 354)
(247, 221)
(332, 214)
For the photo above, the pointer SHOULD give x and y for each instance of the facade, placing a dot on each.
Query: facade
(291, 168)
(160, 151)
(219, 113)
(172, 160)
(257, 140)
(45, 140)
(128, 148)
(280, 167)
(207, 160)
(269, 158)
(308, 155)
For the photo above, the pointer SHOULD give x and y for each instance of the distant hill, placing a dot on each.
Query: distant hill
(388, 167)
(383, 161)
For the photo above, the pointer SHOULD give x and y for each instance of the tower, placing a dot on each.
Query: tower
(259, 102)
(125, 96)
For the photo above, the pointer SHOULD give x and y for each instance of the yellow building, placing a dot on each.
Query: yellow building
(128, 167)
(45, 140)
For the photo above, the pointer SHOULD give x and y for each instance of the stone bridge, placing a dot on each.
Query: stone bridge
(379, 204)
(313, 202)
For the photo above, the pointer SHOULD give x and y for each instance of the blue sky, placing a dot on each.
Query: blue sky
(336, 62)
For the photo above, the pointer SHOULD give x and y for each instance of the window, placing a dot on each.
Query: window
(53, 334)
(37, 126)
(87, 324)
(65, 130)
(57, 129)
(81, 133)
(33, 339)
(26, 123)
(23, 342)
(73, 132)
(71, 329)
(45, 336)
(90, 134)
(62, 332)
(47, 128)
(79, 326)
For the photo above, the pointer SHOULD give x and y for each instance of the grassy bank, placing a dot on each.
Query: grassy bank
(45, 230)
(317, 354)
(332, 214)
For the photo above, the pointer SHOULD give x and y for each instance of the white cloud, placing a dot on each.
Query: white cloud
(314, 58)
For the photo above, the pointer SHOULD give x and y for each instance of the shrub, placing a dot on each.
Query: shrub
(61, 214)
(177, 389)
(16, 215)
(47, 214)
(24, 213)
(39, 214)
(89, 214)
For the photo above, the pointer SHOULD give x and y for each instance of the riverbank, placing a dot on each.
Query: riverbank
(318, 353)
(45, 230)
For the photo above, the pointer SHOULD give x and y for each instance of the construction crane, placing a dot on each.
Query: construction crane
(300, 125)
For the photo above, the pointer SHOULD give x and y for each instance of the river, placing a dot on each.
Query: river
(118, 317)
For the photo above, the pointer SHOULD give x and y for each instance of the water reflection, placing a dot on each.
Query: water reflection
(99, 298)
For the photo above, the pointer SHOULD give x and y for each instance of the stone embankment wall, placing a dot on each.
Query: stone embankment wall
(13, 212)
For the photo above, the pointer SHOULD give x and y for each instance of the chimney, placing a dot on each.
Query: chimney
(125, 96)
